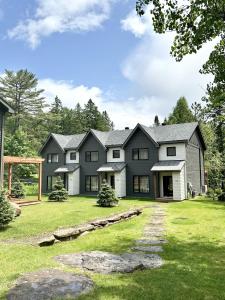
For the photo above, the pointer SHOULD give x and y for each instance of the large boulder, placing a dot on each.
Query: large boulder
(106, 263)
(50, 284)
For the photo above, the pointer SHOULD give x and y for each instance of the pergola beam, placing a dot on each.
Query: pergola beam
(10, 160)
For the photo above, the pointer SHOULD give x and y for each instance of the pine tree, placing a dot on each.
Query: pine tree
(106, 196)
(17, 190)
(20, 90)
(7, 213)
(181, 113)
(59, 193)
(56, 106)
(20, 144)
(156, 121)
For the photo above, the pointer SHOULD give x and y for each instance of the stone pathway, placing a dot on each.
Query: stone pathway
(56, 284)
(50, 284)
(154, 231)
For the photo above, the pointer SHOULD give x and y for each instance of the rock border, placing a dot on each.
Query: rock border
(68, 234)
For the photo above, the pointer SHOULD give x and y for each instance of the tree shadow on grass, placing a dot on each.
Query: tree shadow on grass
(191, 271)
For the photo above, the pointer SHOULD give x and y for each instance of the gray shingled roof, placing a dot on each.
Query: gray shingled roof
(176, 132)
(67, 168)
(167, 133)
(75, 141)
(115, 167)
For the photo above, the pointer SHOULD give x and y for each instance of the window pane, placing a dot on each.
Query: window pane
(94, 156)
(135, 154)
(73, 156)
(55, 158)
(54, 179)
(116, 153)
(143, 153)
(171, 151)
(49, 183)
(94, 183)
(136, 184)
(88, 156)
(144, 184)
(49, 158)
(88, 183)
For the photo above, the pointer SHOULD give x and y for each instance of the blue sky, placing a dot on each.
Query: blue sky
(98, 48)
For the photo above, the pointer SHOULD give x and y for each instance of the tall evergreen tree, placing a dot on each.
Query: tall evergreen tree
(21, 91)
(181, 113)
(156, 121)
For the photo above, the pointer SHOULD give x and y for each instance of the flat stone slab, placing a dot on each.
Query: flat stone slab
(50, 284)
(151, 242)
(153, 235)
(154, 229)
(148, 248)
(106, 263)
(47, 241)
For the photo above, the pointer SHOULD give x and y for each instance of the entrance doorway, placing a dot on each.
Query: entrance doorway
(168, 186)
(112, 181)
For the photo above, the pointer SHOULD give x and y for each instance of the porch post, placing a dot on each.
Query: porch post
(39, 181)
(155, 185)
(9, 178)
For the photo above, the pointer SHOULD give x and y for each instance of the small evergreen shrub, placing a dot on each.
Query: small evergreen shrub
(221, 197)
(106, 196)
(59, 193)
(7, 212)
(17, 190)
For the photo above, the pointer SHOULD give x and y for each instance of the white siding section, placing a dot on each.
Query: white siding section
(74, 183)
(179, 185)
(180, 152)
(120, 183)
(110, 155)
(69, 161)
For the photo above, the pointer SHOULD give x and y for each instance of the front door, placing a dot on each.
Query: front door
(112, 181)
(167, 186)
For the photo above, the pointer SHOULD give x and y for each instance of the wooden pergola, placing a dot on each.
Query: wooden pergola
(11, 160)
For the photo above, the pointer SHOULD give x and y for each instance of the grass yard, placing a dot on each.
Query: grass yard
(194, 258)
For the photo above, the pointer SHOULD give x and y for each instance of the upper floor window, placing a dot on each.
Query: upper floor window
(116, 153)
(73, 155)
(140, 154)
(91, 156)
(53, 158)
(171, 151)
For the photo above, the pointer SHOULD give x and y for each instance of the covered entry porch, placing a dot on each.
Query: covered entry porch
(115, 176)
(170, 180)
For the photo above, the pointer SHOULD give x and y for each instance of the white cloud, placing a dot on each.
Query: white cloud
(139, 26)
(155, 73)
(60, 16)
(123, 113)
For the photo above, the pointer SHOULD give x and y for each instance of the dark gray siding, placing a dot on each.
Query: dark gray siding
(2, 113)
(49, 168)
(90, 168)
(140, 167)
(195, 163)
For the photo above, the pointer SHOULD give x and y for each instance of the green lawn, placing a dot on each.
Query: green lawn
(194, 258)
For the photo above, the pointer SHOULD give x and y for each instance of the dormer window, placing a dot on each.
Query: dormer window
(171, 151)
(116, 153)
(53, 158)
(73, 155)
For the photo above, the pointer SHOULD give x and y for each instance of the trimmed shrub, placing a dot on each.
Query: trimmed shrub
(7, 212)
(59, 193)
(106, 196)
(221, 197)
(17, 190)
